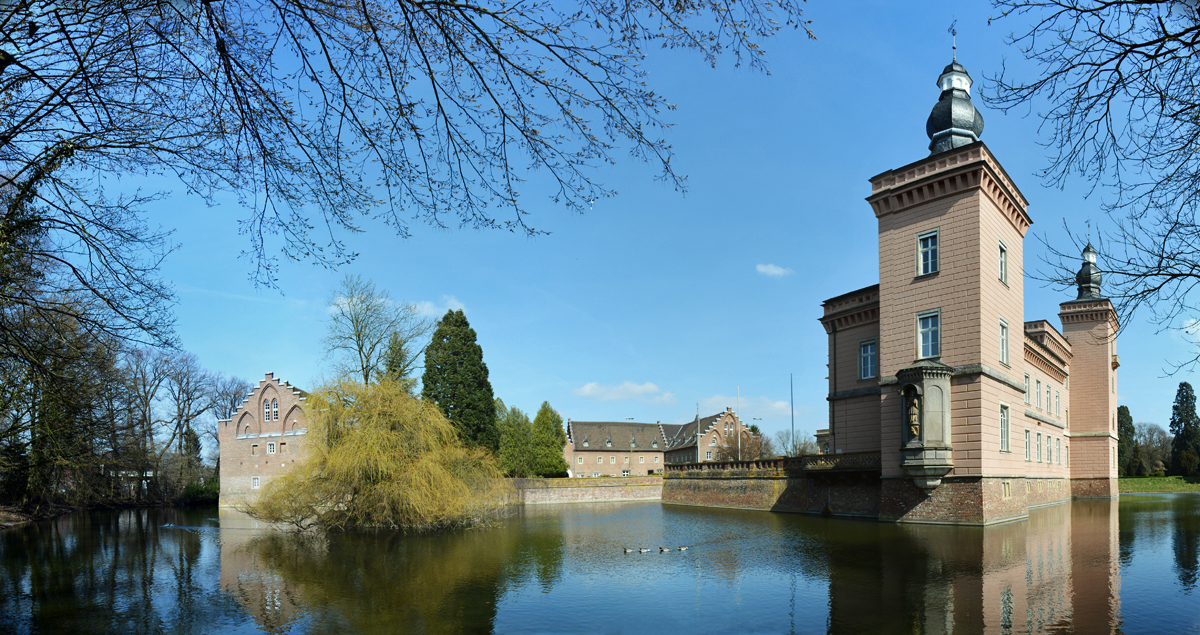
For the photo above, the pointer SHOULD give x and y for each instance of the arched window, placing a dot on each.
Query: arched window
(266, 410)
(275, 409)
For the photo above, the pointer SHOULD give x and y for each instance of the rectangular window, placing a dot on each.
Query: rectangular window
(270, 448)
(1004, 429)
(1026, 445)
(1038, 394)
(641, 459)
(624, 472)
(1003, 262)
(1047, 396)
(1026, 388)
(656, 459)
(708, 456)
(1003, 341)
(927, 253)
(599, 459)
(254, 450)
(1058, 450)
(1057, 403)
(612, 459)
(283, 448)
(581, 460)
(595, 475)
(1039, 447)
(868, 359)
(254, 482)
(626, 460)
(1006, 491)
(929, 334)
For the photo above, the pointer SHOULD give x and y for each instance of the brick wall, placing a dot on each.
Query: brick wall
(247, 437)
(533, 491)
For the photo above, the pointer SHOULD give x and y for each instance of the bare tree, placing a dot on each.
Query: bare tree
(226, 395)
(188, 397)
(318, 115)
(802, 444)
(365, 324)
(1116, 89)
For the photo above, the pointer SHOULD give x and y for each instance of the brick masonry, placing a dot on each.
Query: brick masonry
(966, 500)
(262, 440)
(535, 491)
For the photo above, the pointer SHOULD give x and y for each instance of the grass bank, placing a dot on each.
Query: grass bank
(1155, 484)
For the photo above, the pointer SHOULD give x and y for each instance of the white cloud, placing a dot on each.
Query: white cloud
(436, 311)
(773, 271)
(645, 393)
(750, 406)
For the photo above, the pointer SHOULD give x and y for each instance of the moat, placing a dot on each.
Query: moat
(1085, 566)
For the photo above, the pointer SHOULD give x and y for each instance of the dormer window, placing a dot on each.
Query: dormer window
(654, 443)
(585, 443)
(608, 443)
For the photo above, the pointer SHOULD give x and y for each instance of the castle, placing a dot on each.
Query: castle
(262, 439)
(975, 411)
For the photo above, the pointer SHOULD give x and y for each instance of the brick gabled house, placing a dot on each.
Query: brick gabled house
(701, 439)
(262, 440)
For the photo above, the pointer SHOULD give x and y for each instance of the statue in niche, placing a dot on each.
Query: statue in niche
(913, 414)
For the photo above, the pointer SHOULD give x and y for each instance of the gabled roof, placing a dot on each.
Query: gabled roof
(685, 434)
(620, 434)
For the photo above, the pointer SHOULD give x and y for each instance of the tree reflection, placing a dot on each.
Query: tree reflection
(387, 582)
(1185, 541)
(101, 572)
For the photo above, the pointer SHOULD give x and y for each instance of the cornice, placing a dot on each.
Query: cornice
(1089, 311)
(867, 313)
(1043, 364)
(949, 174)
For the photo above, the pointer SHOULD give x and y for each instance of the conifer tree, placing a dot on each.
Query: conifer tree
(516, 441)
(549, 439)
(1125, 441)
(456, 380)
(1185, 426)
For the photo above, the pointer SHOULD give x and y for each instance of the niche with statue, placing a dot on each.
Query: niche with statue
(927, 454)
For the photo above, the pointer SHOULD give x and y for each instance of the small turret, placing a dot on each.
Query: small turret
(1089, 276)
(954, 122)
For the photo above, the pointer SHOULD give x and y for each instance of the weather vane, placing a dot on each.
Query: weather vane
(954, 38)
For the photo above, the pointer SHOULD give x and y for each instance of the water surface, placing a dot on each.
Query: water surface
(1087, 566)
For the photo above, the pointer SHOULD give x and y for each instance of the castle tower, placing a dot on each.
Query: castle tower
(1090, 323)
(951, 310)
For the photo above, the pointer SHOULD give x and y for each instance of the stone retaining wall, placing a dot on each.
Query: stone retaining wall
(536, 491)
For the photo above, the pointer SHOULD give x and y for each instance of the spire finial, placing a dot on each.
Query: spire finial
(954, 38)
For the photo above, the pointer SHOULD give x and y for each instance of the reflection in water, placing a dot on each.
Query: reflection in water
(563, 569)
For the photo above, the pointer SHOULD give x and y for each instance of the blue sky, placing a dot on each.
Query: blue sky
(654, 302)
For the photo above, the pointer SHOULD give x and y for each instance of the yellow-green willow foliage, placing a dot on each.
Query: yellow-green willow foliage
(378, 457)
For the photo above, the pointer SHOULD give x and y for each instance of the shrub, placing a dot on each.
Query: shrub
(378, 457)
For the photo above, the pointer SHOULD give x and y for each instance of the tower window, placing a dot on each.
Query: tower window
(927, 253)
(1003, 263)
(1004, 429)
(1026, 445)
(929, 334)
(1039, 447)
(1038, 394)
(1057, 403)
(1026, 388)
(1003, 341)
(868, 359)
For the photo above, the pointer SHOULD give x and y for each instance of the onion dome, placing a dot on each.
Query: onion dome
(954, 121)
(1089, 276)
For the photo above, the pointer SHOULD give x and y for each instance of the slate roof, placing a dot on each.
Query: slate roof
(597, 434)
(684, 435)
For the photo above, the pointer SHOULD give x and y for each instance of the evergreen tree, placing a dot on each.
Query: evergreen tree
(1125, 441)
(516, 441)
(456, 380)
(399, 361)
(1185, 426)
(549, 439)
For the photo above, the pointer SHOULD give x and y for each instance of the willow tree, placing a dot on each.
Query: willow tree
(378, 457)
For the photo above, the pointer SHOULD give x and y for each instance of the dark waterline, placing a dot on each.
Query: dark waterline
(1084, 567)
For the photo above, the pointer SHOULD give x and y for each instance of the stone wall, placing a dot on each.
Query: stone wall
(535, 491)
(737, 488)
